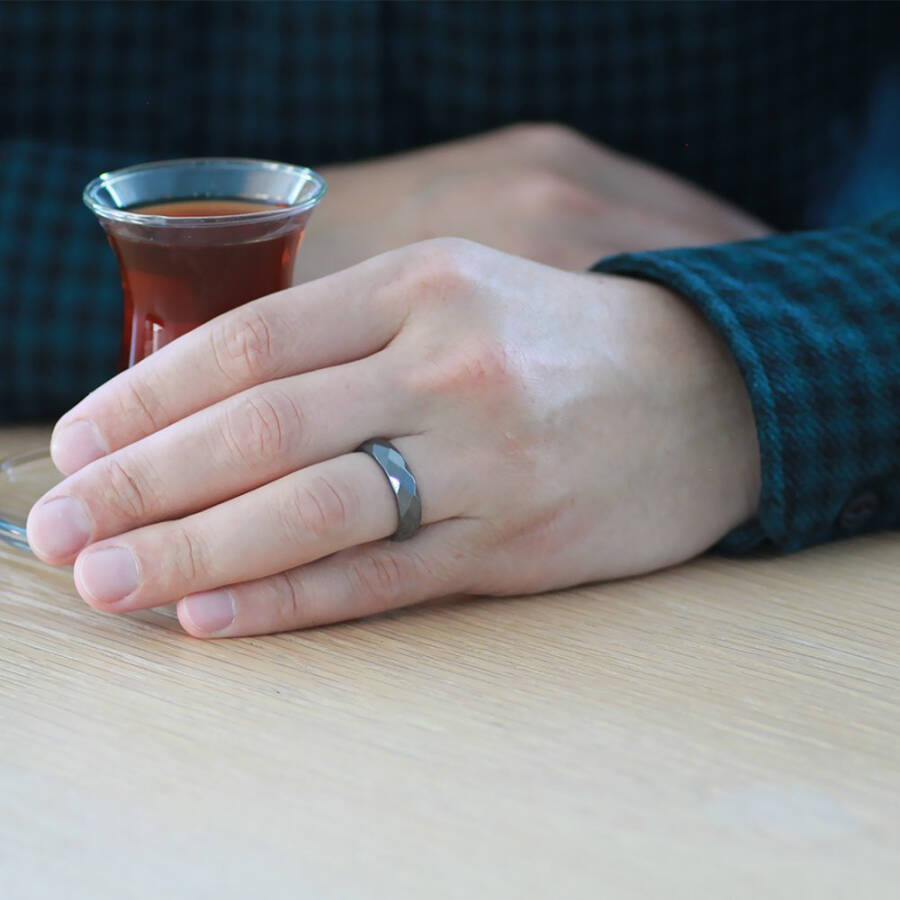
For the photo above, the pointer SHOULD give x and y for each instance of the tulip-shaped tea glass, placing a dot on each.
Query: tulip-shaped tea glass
(194, 238)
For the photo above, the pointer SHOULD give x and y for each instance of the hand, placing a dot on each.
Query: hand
(544, 192)
(563, 428)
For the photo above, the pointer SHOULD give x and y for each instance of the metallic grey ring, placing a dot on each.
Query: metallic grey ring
(402, 482)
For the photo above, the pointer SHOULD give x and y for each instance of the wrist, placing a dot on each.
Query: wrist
(688, 370)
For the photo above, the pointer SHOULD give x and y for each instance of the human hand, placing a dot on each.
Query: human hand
(563, 427)
(541, 191)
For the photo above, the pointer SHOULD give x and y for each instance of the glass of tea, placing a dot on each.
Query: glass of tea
(193, 238)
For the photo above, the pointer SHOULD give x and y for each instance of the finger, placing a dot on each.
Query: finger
(309, 514)
(355, 583)
(335, 320)
(234, 446)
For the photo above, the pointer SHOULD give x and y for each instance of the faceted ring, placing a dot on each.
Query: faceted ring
(402, 482)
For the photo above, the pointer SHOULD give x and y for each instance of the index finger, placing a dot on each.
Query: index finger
(323, 323)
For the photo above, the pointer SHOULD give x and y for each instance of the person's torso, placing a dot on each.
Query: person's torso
(757, 101)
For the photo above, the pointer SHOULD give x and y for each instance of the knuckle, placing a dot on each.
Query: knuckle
(542, 191)
(141, 400)
(377, 577)
(545, 139)
(437, 269)
(320, 508)
(188, 559)
(261, 426)
(477, 366)
(127, 491)
(241, 345)
(290, 600)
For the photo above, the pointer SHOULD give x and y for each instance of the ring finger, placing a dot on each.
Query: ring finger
(301, 517)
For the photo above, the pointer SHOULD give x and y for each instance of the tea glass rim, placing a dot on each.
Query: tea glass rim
(107, 180)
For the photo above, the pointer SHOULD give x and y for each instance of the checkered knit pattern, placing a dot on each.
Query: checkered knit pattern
(768, 104)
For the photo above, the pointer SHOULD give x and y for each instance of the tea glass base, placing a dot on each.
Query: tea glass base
(23, 480)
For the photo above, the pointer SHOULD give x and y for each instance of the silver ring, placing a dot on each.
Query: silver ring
(402, 482)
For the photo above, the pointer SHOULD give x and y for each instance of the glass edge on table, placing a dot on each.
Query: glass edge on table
(12, 525)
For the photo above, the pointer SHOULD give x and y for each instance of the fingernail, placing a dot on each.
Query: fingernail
(75, 445)
(109, 574)
(209, 611)
(59, 527)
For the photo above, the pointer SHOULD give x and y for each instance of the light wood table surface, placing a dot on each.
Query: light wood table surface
(726, 729)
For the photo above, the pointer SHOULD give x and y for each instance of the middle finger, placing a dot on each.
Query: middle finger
(232, 447)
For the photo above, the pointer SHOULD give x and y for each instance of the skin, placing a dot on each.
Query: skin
(542, 191)
(563, 427)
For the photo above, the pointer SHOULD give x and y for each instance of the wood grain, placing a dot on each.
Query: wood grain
(723, 729)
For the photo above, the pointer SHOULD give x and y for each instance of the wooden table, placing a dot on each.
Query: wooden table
(721, 730)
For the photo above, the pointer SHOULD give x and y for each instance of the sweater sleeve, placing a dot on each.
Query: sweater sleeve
(813, 320)
(60, 301)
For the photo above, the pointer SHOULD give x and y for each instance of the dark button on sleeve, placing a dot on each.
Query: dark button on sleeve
(859, 511)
